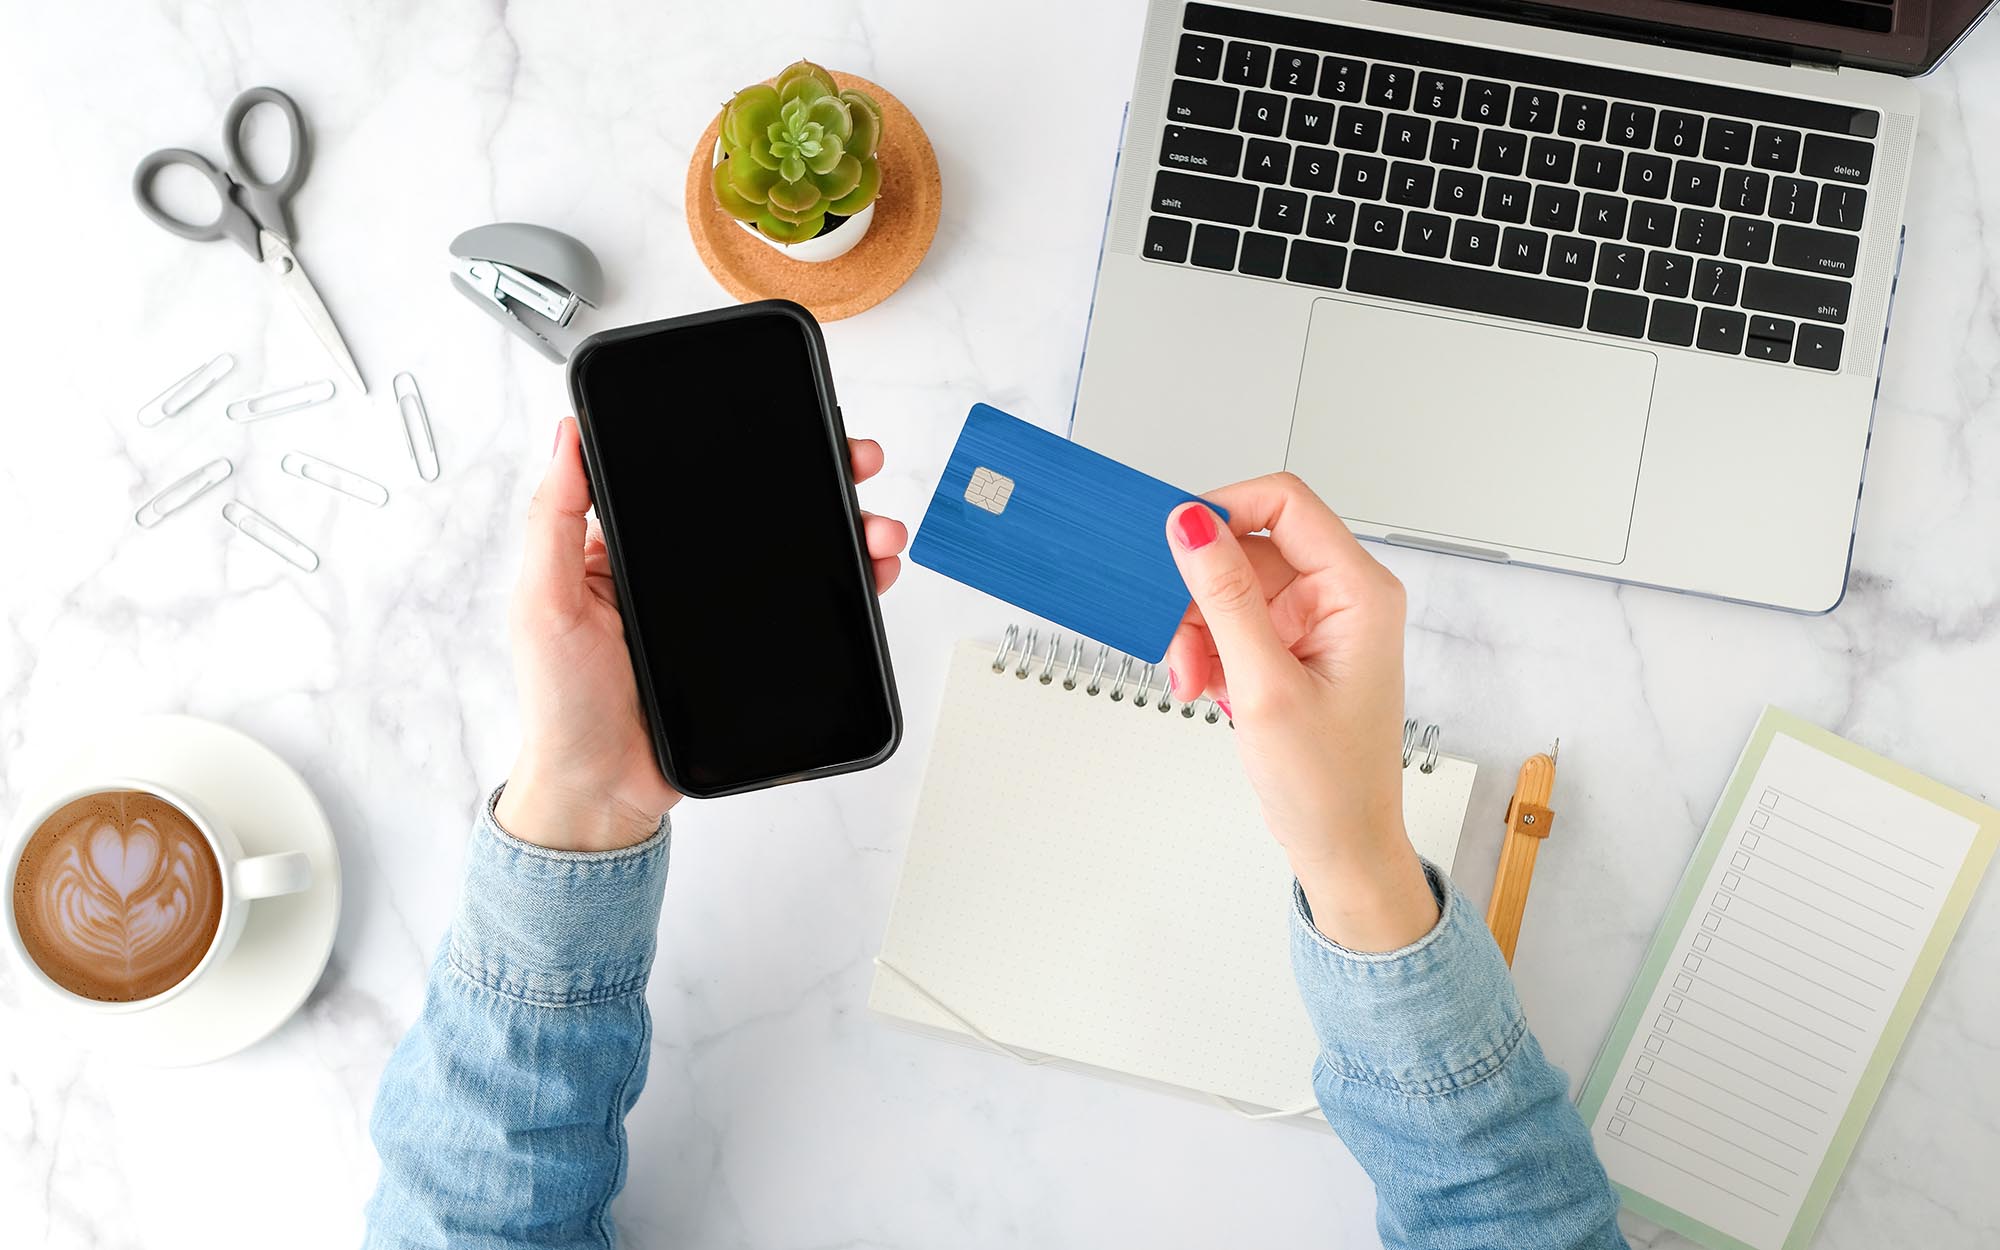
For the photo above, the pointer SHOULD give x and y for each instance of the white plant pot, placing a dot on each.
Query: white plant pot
(834, 243)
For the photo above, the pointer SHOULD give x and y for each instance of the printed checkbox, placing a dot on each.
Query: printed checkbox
(1751, 841)
(1770, 799)
(1626, 1106)
(1732, 881)
(1664, 1024)
(1692, 963)
(1618, 1128)
(1683, 983)
(1711, 922)
(1636, 1084)
(1674, 1001)
(1722, 902)
(1739, 861)
(1701, 941)
(1644, 1063)
(1759, 819)
(1654, 1041)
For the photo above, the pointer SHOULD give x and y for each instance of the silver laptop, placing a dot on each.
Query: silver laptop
(1598, 286)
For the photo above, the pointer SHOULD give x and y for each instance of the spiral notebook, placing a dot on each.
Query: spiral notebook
(1089, 880)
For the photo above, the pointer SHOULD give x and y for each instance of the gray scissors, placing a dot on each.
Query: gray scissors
(253, 213)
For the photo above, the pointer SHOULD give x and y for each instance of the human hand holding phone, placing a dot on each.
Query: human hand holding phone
(585, 778)
(1299, 635)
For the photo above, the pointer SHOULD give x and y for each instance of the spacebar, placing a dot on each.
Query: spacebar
(1462, 287)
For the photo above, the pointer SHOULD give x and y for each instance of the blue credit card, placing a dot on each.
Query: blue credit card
(1054, 528)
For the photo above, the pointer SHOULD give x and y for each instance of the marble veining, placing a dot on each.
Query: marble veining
(778, 1113)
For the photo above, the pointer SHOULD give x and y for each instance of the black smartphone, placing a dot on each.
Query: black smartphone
(719, 471)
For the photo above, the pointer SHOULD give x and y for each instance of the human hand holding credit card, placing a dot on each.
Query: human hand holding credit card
(1057, 530)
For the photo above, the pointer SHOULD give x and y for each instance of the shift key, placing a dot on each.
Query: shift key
(1816, 251)
(1796, 295)
(1209, 199)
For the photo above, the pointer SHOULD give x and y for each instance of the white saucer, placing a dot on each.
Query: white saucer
(286, 941)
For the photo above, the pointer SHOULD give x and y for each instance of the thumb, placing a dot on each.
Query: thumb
(552, 566)
(1231, 598)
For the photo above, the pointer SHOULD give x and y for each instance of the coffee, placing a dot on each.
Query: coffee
(117, 896)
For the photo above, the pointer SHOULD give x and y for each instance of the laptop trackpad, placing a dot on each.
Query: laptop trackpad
(1500, 437)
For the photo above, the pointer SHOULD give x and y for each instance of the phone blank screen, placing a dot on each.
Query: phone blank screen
(724, 496)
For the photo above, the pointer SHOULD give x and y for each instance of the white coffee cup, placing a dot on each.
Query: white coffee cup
(244, 878)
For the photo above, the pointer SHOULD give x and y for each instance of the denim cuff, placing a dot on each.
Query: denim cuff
(557, 928)
(1432, 1017)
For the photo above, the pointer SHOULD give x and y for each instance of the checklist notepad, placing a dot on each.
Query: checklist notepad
(1089, 879)
(1780, 985)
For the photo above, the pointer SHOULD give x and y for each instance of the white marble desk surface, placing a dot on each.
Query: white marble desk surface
(779, 1114)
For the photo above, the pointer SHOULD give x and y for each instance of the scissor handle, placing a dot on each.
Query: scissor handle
(231, 221)
(266, 201)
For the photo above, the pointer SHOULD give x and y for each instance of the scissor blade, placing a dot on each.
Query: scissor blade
(285, 268)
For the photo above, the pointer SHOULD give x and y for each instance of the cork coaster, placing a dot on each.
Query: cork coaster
(906, 220)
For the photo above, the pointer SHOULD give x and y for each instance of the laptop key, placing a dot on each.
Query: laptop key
(1295, 71)
(1523, 251)
(1167, 239)
(1620, 265)
(1652, 224)
(1717, 281)
(1817, 347)
(1202, 104)
(1283, 211)
(1720, 330)
(1555, 208)
(1246, 64)
(1669, 273)
(1534, 110)
(1437, 94)
(1779, 350)
(1266, 160)
(1310, 121)
(1389, 86)
(1582, 118)
(1598, 168)
(1502, 152)
(1405, 135)
(1263, 256)
(1312, 168)
(1838, 159)
(1796, 295)
(1211, 199)
(1745, 190)
(1841, 207)
(1359, 129)
(1362, 176)
(1426, 234)
(1411, 184)
(1329, 218)
(1671, 323)
(1699, 232)
(1612, 312)
(1696, 183)
(1631, 126)
(1200, 57)
(1262, 114)
(1341, 79)
(1775, 147)
(1474, 242)
(1458, 192)
(1604, 216)
(1572, 258)
(1485, 101)
(1453, 144)
(1506, 200)
(1214, 247)
(1647, 175)
(1772, 328)
(1551, 160)
(1792, 199)
(1378, 225)
(1748, 238)
(1488, 291)
(1678, 134)
(1727, 141)
(1770, 339)
(1317, 264)
(1205, 151)
(1817, 251)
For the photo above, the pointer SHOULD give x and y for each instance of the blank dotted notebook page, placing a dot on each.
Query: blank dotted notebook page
(1090, 879)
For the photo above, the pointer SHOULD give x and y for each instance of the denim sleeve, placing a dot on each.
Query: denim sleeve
(500, 1121)
(1429, 1074)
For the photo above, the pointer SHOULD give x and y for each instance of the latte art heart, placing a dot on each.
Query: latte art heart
(118, 896)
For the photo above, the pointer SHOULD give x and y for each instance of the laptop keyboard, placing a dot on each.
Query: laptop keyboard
(1685, 214)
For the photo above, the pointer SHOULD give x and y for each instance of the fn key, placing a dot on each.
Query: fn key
(1166, 239)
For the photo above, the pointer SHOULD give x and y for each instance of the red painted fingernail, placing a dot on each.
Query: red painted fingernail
(1173, 682)
(1197, 527)
(1224, 705)
(557, 445)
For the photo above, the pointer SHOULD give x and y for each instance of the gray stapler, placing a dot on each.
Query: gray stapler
(528, 278)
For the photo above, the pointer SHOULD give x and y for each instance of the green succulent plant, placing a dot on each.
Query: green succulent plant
(797, 151)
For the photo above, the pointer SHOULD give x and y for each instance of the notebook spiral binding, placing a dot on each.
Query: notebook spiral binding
(1019, 654)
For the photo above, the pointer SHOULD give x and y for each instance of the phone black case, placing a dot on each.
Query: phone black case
(606, 509)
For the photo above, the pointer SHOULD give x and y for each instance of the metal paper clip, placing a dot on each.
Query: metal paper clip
(265, 532)
(182, 493)
(334, 478)
(416, 427)
(281, 401)
(172, 401)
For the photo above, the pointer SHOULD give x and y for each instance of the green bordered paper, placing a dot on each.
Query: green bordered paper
(1780, 986)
